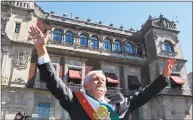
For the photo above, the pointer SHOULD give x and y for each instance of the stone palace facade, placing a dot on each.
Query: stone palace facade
(130, 59)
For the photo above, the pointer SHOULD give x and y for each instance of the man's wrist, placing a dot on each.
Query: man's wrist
(42, 51)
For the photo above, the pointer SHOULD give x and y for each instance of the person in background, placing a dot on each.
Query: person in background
(21, 116)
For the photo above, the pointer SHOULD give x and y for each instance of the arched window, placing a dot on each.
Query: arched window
(139, 50)
(83, 40)
(107, 44)
(57, 35)
(168, 46)
(129, 48)
(117, 46)
(69, 37)
(94, 43)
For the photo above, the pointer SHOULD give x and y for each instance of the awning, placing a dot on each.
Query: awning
(111, 78)
(75, 74)
(177, 80)
(133, 82)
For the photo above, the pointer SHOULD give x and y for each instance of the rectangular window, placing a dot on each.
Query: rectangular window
(74, 76)
(133, 82)
(112, 80)
(44, 110)
(17, 27)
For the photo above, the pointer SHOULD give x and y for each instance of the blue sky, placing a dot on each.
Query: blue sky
(131, 14)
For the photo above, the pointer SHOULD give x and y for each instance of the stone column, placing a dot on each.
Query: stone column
(65, 72)
(4, 77)
(100, 40)
(83, 76)
(76, 40)
(121, 75)
(5, 53)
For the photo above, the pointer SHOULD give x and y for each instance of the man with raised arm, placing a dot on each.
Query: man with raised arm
(93, 105)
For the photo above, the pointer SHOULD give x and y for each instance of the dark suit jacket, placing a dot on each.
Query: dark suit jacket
(70, 103)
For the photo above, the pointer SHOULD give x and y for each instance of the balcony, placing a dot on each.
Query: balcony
(98, 52)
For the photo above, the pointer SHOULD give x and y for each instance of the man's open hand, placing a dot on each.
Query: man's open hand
(168, 67)
(39, 39)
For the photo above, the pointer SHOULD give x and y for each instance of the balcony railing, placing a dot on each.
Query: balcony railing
(167, 25)
(133, 57)
(16, 4)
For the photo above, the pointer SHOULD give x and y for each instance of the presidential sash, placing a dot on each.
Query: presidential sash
(95, 109)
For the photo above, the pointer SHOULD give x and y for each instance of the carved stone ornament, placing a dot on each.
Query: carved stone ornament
(5, 50)
(28, 17)
(3, 25)
(19, 80)
(4, 18)
(22, 60)
(8, 14)
(4, 79)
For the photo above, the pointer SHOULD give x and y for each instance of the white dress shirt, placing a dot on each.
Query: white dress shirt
(43, 59)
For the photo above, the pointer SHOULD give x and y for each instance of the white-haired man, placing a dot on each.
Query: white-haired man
(93, 105)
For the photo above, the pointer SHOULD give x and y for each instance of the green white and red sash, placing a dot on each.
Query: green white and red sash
(91, 105)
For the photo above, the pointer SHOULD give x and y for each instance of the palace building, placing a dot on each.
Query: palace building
(130, 60)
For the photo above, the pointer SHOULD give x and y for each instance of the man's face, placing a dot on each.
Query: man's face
(96, 84)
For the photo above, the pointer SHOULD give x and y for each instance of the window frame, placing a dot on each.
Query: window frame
(68, 36)
(69, 80)
(130, 48)
(117, 46)
(47, 114)
(17, 27)
(61, 35)
(139, 46)
(107, 43)
(168, 47)
(96, 42)
(84, 40)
